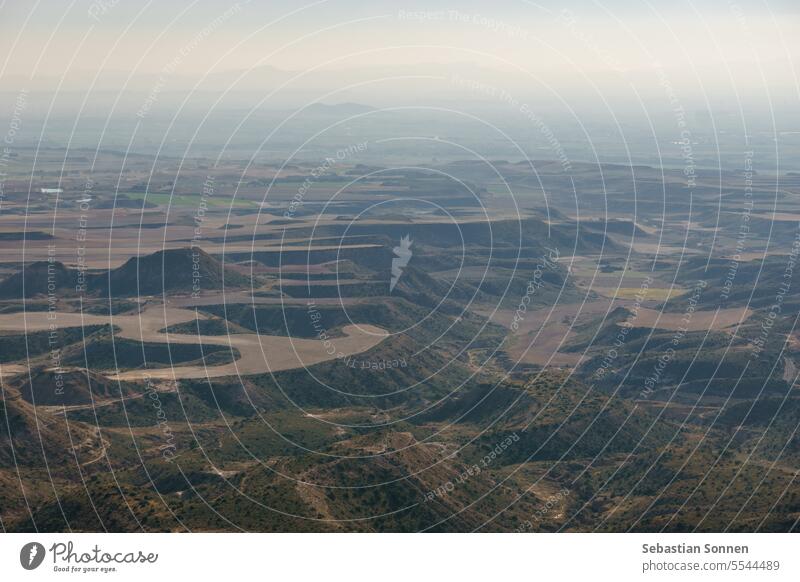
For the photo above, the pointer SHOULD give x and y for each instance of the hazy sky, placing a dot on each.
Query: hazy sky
(579, 64)
(51, 37)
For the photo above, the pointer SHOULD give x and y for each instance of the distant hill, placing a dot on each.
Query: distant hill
(531, 234)
(182, 269)
(751, 283)
(172, 270)
(36, 278)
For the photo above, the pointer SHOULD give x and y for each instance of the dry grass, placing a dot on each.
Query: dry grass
(699, 320)
(653, 293)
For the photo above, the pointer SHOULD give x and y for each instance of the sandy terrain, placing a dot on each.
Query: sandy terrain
(98, 257)
(259, 353)
(9, 370)
(237, 297)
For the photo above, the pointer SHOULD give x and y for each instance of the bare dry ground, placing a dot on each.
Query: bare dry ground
(259, 354)
(9, 370)
(697, 321)
(238, 297)
(541, 333)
